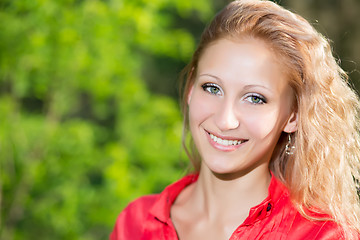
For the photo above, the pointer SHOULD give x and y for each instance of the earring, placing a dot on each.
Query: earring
(289, 150)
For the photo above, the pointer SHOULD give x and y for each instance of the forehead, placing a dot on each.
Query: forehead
(247, 60)
(240, 48)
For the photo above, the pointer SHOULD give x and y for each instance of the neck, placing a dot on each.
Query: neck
(228, 196)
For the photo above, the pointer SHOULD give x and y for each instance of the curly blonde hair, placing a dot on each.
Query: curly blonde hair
(323, 173)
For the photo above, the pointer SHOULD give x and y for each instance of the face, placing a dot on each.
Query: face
(239, 105)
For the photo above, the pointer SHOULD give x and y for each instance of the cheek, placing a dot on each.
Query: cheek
(263, 123)
(200, 108)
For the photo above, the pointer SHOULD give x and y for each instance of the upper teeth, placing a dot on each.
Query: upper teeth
(224, 141)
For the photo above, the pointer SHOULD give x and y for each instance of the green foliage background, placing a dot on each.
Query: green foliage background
(88, 104)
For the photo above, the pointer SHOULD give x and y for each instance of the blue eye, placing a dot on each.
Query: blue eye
(211, 88)
(255, 99)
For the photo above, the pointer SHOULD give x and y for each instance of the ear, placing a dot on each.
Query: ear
(292, 123)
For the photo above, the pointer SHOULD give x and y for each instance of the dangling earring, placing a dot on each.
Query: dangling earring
(289, 150)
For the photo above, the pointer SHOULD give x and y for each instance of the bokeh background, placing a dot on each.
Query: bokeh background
(89, 116)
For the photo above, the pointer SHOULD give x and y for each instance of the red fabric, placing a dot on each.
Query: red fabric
(275, 218)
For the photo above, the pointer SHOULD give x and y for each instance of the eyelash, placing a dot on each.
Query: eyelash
(262, 99)
(207, 86)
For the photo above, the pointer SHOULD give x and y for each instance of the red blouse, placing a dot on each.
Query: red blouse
(275, 218)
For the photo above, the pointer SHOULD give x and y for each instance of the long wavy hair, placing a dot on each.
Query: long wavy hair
(323, 173)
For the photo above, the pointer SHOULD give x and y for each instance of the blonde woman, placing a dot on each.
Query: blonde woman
(274, 137)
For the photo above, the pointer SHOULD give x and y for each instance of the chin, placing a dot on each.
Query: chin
(222, 168)
(227, 171)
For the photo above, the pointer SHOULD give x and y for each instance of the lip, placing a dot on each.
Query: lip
(221, 147)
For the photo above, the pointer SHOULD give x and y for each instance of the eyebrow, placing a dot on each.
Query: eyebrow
(248, 86)
(256, 85)
(209, 75)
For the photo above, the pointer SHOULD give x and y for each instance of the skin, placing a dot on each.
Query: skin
(240, 93)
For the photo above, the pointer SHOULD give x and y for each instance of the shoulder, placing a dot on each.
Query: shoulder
(130, 221)
(332, 230)
(302, 228)
(140, 205)
(327, 229)
(291, 224)
(140, 214)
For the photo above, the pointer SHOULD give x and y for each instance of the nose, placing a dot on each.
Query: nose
(226, 117)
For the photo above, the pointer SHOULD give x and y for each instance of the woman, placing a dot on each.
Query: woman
(274, 137)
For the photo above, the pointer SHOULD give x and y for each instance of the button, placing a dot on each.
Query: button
(268, 207)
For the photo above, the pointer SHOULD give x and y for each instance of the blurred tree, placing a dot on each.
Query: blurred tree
(336, 20)
(81, 135)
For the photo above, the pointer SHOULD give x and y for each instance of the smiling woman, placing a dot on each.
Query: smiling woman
(275, 137)
(239, 94)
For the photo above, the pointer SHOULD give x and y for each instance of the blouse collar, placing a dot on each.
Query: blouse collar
(161, 208)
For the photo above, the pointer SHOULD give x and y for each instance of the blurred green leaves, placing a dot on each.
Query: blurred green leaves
(80, 133)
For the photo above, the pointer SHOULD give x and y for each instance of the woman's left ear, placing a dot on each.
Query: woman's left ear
(292, 123)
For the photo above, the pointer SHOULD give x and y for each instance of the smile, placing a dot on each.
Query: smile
(226, 142)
